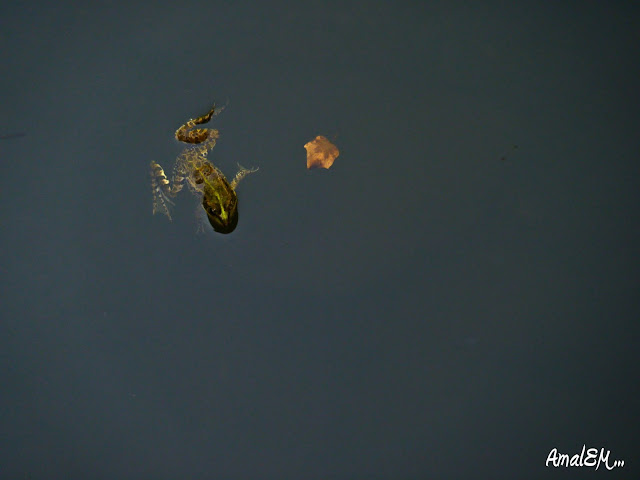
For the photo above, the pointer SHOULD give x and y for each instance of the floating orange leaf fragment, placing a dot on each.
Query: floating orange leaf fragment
(321, 153)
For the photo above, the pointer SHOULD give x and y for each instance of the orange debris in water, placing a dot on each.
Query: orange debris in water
(321, 153)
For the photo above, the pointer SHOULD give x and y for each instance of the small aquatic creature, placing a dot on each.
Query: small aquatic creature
(321, 153)
(219, 199)
(504, 157)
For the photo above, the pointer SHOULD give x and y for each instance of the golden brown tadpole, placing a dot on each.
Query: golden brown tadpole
(321, 153)
(194, 169)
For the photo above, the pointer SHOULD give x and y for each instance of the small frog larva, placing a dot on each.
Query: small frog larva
(219, 199)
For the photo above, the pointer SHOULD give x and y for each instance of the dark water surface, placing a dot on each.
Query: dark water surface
(454, 298)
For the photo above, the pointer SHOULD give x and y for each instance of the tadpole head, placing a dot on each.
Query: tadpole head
(219, 223)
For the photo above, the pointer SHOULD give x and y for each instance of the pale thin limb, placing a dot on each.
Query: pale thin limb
(243, 172)
(161, 190)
